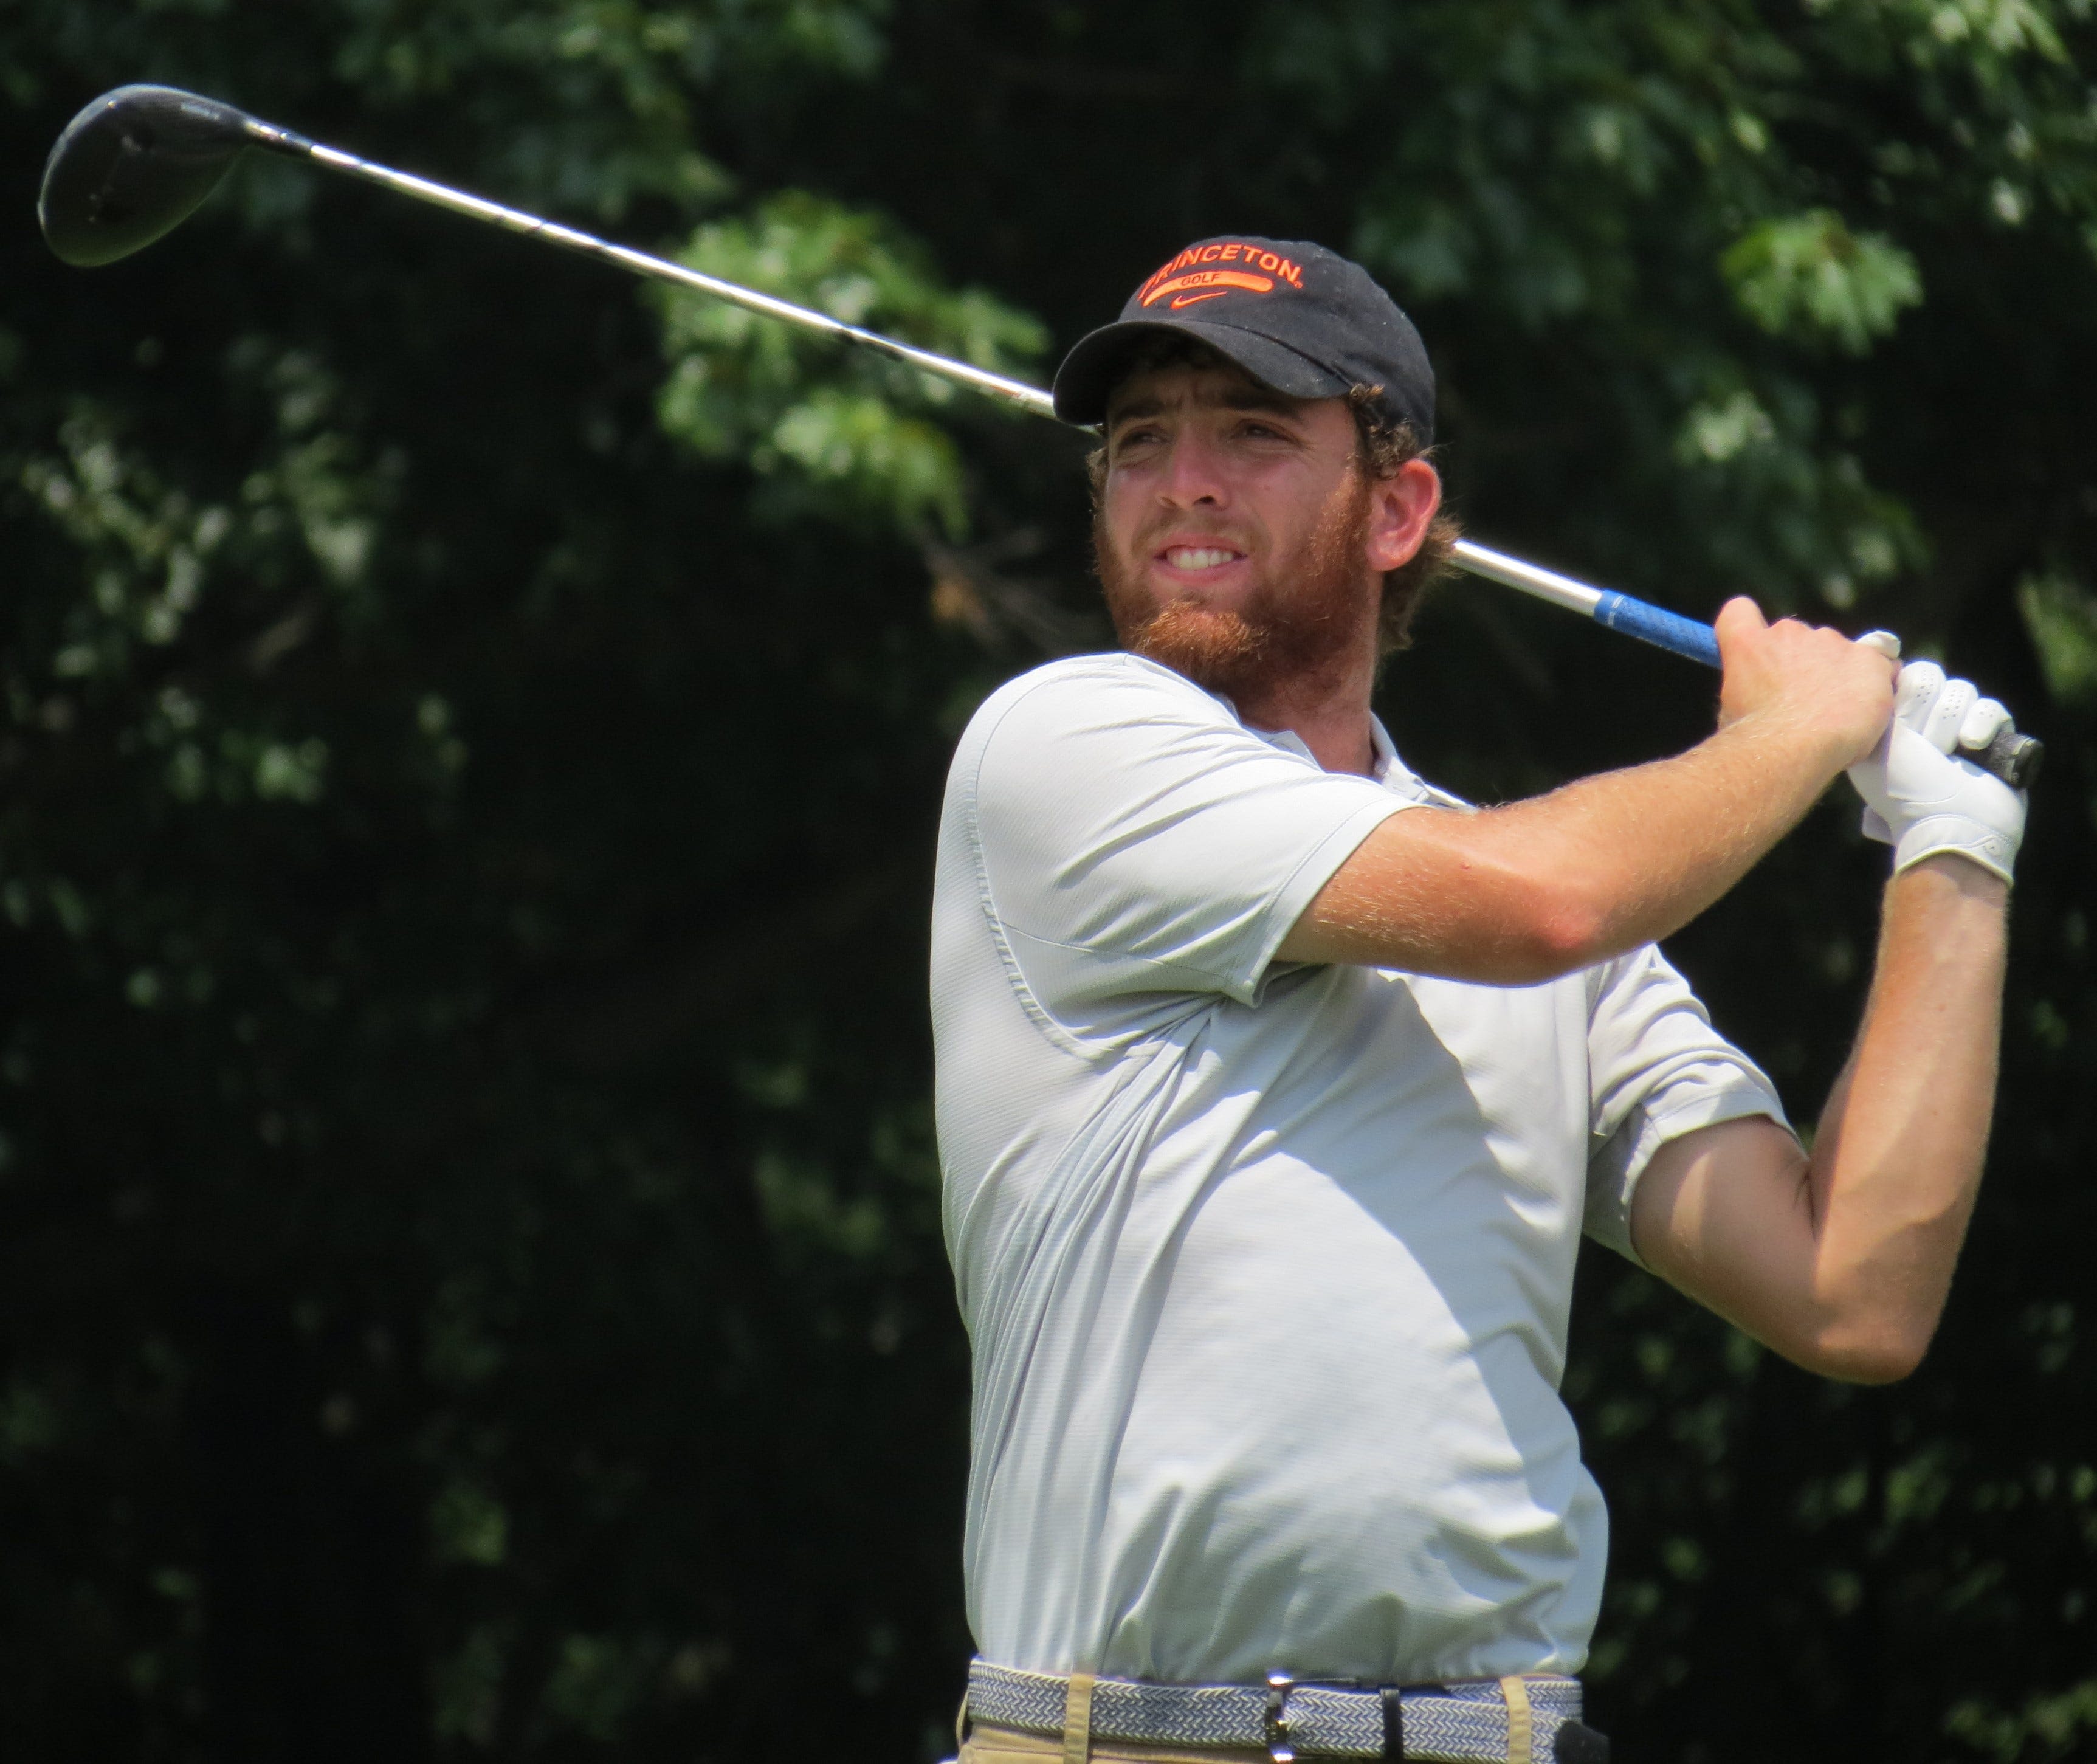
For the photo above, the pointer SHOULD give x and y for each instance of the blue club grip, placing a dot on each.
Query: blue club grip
(1655, 625)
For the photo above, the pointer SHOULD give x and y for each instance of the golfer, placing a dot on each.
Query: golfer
(1277, 1087)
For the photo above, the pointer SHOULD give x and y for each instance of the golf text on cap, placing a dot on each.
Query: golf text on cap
(1197, 283)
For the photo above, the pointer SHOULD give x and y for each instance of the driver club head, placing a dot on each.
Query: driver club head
(132, 166)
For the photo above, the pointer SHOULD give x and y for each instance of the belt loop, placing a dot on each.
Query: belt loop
(1394, 1724)
(1078, 1719)
(1521, 1723)
(1278, 1746)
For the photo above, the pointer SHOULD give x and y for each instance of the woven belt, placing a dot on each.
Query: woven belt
(1465, 1722)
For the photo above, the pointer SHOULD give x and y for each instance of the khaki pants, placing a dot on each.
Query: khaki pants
(1009, 1745)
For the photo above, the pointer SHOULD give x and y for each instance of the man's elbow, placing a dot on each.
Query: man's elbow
(1877, 1350)
(1560, 932)
(1877, 1320)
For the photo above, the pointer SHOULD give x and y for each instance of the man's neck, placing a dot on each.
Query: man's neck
(1333, 725)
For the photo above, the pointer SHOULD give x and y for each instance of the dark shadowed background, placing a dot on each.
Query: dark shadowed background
(471, 1284)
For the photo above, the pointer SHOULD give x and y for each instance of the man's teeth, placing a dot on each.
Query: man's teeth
(1198, 557)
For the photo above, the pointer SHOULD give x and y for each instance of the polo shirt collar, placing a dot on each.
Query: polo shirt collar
(1392, 772)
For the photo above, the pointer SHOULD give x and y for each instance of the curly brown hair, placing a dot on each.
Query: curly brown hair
(1384, 448)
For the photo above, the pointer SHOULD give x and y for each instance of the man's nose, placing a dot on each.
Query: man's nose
(1193, 477)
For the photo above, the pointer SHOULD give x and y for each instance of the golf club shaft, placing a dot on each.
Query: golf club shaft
(1027, 398)
(2011, 757)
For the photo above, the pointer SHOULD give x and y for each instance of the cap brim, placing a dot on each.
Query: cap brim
(1089, 373)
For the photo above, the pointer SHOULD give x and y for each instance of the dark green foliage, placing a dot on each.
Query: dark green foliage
(473, 732)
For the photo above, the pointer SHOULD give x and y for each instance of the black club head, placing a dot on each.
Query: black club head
(131, 167)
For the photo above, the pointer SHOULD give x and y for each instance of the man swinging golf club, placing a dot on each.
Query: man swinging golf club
(1271, 1111)
(1276, 1086)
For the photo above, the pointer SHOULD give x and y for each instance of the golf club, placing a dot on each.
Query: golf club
(138, 160)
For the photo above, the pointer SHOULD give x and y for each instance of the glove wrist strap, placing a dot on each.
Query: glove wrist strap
(1955, 836)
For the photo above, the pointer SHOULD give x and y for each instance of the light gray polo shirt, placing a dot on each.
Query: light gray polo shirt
(1266, 1267)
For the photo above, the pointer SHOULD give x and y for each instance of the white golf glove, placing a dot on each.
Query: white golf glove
(1919, 796)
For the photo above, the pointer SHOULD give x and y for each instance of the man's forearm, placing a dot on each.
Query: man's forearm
(1896, 1161)
(1841, 1260)
(1539, 888)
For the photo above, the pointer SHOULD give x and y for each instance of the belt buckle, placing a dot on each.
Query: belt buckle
(1279, 1685)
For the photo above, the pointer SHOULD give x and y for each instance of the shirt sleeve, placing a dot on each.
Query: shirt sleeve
(1657, 1069)
(1133, 836)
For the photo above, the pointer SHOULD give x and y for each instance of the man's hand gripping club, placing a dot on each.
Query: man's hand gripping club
(1921, 797)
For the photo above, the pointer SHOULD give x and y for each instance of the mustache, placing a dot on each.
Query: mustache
(1154, 536)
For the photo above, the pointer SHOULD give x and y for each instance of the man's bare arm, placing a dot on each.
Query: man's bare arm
(1841, 1261)
(1538, 889)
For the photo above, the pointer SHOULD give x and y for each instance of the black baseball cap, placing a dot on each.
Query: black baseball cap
(1295, 316)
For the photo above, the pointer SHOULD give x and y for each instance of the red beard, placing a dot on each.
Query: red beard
(1301, 618)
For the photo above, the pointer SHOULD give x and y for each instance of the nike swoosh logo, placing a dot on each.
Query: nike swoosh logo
(1189, 299)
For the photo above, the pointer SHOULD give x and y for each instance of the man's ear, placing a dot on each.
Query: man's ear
(1402, 507)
